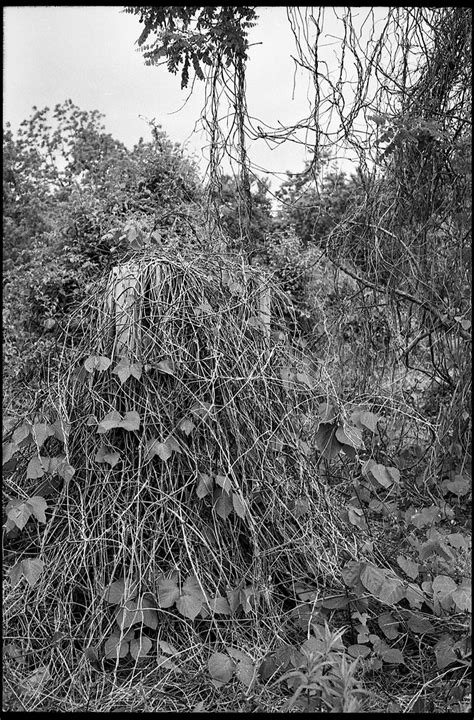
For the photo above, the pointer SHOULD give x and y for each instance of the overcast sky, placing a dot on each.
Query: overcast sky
(88, 54)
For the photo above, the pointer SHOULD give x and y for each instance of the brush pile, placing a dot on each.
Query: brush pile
(184, 503)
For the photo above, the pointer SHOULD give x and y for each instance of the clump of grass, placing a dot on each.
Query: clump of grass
(229, 492)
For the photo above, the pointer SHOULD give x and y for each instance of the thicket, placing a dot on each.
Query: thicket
(237, 467)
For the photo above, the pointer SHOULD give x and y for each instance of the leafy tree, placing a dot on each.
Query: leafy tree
(76, 202)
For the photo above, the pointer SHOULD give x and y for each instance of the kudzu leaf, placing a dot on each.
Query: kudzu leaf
(150, 616)
(140, 647)
(173, 444)
(32, 569)
(222, 503)
(116, 647)
(22, 433)
(168, 590)
(245, 668)
(388, 625)
(189, 606)
(103, 455)
(224, 482)
(443, 588)
(20, 514)
(38, 507)
(444, 652)
(16, 573)
(409, 567)
(61, 429)
(115, 593)
(129, 614)
(462, 598)
(97, 362)
(166, 366)
(238, 505)
(326, 441)
(326, 413)
(373, 578)
(130, 421)
(8, 450)
(186, 425)
(391, 591)
(42, 431)
(419, 624)
(37, 467)
(358, 651)
(219, 606)
(109, 421)
(163, 451)
(220, 668)
(348, 435)
(393, 656)
(204, 486)
(201, 409)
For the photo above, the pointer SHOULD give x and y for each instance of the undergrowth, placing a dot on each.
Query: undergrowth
(195, 520)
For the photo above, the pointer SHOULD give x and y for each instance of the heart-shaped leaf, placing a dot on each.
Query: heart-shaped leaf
(189, 606)
(37, 467)
(131, 421)
(238, 506)
(22, 434)
(409, 567)
(221, 668)
(388, 625)
(105, 455)
(326, 441)
(349, 435)
(38, 507)
(19, 514)
(140, 647)
(222, 503)
(204, 486)
(168, 590)
(109, 421)
(97, 362)
(41, 432)
(186, 425)
(224, 482)
(32, 569)
(116, 647)
(219, 606)
(166, 366)
(8, 450)
(125, 368)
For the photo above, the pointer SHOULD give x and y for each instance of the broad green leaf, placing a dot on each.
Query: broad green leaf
(129, 614)
(109, 421)
(61, 429)
(219, 606)
(460, 485)
(351, 572)
(150, 616)
(32, 569)
(8, 450)
(163, 451)
(245, 668)
(349, 435)
(419, 624)
(116, 592)
(373, 578)
(140, 647)
(391, 591)
(457, 540)
(238, 505)
(131, 421)
(462, 598)
(97, 362)
(301, 507)
(385, 476)
(16, 573)
(204, 486)
(201, 409)
(168, 590)
(173, 444)
(20, 514)
(305, 379)
(326, 413)
(443, 589)
(365, 419)
(116, 647)
(166, 366)
(38, 507)
(414, 595)
(444, 652)
(37, 467)
(224, 482)
(41, 432)
(222, 503)
(125, 368)
(326, 441)
(22, 433)
(167, 648)
(220, 668)
(186, 425)
(104, 455)
(287, 375)
(233, 597)
(358, 651)
(189, 605)
(409, 567)
(335, 603)
(388, 625)
(393, 656)
(65, 471)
